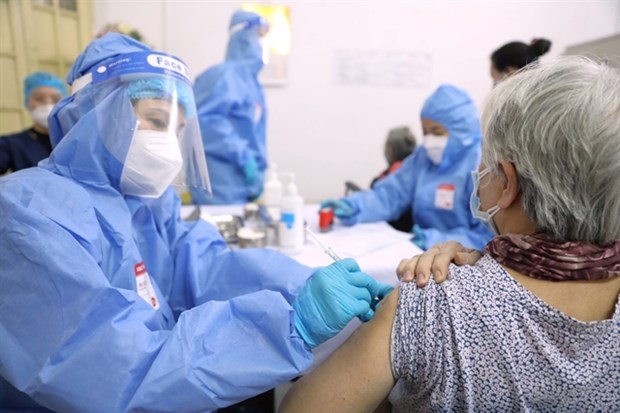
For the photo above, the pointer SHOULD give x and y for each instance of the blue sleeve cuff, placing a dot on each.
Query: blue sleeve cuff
(418, 238)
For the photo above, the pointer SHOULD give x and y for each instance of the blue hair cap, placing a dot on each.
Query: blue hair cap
(39, 79)
(159, 88)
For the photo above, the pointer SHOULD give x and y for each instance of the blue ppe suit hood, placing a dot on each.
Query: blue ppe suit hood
(80, 330)
(244, 45)
(77, 120)
(454, 110)
(110, 45)
(232, 114)
(437, 195)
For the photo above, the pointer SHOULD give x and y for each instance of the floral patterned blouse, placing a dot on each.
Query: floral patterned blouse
(481, 342)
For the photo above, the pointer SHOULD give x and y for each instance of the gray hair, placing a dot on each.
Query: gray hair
(402, 142)
(558, 122)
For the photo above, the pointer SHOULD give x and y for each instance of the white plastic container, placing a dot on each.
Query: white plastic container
(291, 234)
(272, 193)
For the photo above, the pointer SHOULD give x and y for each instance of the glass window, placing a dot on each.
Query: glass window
(68, 5)
(48, 3)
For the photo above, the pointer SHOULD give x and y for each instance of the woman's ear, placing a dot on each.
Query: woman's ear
(510, 190)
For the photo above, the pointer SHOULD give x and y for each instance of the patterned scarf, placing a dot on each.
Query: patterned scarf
(539, 256)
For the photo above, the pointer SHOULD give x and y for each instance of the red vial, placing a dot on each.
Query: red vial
(326, 219)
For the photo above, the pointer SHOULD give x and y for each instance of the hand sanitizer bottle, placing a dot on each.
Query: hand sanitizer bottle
(291, 225)
(272, 193)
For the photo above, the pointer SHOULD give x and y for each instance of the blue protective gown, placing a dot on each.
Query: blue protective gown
(232, 116)
(76, 336)
(427, 189)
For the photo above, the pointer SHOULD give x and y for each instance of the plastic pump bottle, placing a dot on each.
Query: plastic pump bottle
(272, 192)
(291, 226)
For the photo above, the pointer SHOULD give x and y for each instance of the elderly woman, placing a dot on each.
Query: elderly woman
(399, 144)
(534, 324)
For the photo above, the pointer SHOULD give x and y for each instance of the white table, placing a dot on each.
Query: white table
(377, 248)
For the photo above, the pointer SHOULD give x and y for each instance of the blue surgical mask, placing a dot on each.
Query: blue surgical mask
(474, 203)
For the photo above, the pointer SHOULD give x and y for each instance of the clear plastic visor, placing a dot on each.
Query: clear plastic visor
(144, 99)
(166, 105)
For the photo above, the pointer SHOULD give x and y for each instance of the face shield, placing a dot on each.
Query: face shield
(146, 119)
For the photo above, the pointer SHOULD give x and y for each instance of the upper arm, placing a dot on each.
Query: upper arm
(357, 376)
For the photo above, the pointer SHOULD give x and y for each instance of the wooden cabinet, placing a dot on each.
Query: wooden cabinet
(37, 35)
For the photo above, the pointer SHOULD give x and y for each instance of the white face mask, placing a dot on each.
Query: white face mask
(41, 113)
(435, 147)
(153, 161)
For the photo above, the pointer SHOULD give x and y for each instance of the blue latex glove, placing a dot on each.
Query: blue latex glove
(250, 170)
(332, 297)
(343, 210)
(255, 195)
(418, 237)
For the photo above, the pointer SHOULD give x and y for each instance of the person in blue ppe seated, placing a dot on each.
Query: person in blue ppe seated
(434, 183)
(534, 324)
(232, 116)
(112, 303)
(24, 149)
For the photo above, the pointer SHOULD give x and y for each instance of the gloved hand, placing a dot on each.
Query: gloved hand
(332, 297)
(250, 170)
(418, 238)
(343, 210)
(255, 194)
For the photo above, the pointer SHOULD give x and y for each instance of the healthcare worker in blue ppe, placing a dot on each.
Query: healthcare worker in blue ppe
(434, 182)
(24, 149)
(232, 115)
(109, 302)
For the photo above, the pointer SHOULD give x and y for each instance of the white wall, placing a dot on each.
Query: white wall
(328, 133)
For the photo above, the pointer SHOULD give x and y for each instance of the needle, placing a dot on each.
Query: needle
(327, 250)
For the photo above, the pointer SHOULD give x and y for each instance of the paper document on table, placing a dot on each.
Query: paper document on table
(362, 239)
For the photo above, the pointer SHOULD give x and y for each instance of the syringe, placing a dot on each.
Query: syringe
(326, 250)
(329, 251)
